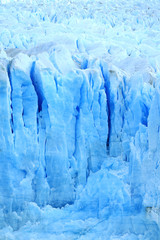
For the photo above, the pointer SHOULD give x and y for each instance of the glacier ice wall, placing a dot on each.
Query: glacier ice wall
(73, 134)
(79, 125)
(56, 130)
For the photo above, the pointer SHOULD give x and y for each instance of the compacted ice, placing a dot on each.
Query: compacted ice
(80, 120)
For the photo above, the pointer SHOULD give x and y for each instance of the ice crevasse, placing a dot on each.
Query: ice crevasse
(79, 143)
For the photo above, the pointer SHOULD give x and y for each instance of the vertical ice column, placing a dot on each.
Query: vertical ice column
(91, 125)
(52, 117)
(24, 127)
(143, 121)
(151, 166)
(6, 141)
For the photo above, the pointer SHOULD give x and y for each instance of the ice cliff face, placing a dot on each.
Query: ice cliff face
(56, 128)
(79, 123)
(66, 127)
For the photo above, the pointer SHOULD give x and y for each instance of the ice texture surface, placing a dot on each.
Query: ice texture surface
(80, 120)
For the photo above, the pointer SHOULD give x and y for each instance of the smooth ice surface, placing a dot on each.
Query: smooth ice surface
(80, 120)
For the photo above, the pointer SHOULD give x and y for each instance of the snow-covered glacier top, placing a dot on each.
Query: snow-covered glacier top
(79, 120)
(124, 33)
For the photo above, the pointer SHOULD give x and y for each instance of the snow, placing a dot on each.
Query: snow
(80, 119)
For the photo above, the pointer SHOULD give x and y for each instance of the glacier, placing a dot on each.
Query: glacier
(80, 120)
